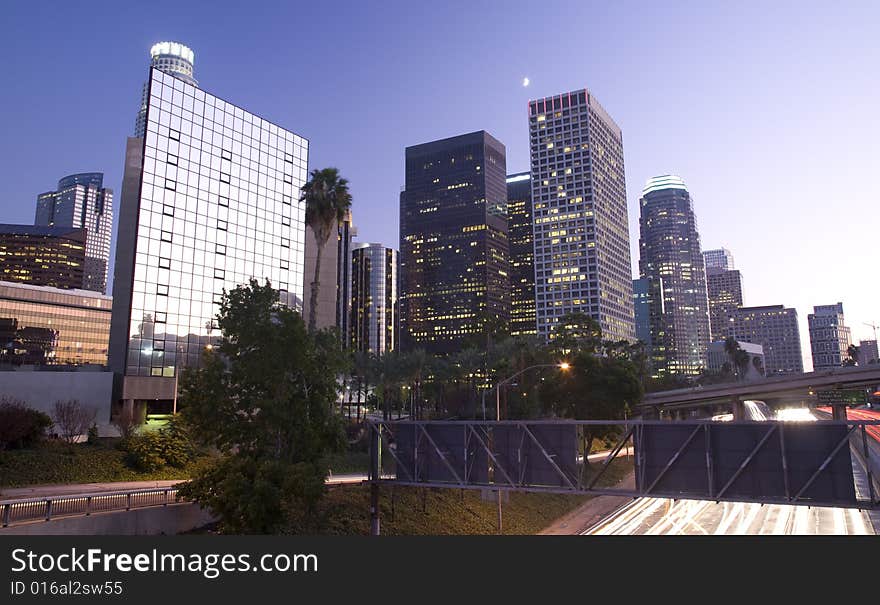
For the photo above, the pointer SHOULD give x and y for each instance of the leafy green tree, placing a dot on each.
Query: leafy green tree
(327, 203)
(594, 388)
(852, 353)
(264, 398)
(576, 332)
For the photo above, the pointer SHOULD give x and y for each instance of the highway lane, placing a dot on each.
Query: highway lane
(660, 516)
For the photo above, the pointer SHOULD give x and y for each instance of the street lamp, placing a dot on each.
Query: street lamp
(564, 366)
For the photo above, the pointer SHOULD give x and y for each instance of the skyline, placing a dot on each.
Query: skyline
(795, 86)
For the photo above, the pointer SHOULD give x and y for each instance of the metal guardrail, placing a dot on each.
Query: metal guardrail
(27, 510)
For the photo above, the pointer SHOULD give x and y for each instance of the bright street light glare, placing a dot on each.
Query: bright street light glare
(564, 365)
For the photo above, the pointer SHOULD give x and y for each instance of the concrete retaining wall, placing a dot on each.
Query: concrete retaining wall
(150, 521)
(41, 389)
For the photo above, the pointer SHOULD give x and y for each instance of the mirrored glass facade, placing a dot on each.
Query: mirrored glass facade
(42, 325)
(210, 199)
(373, 298)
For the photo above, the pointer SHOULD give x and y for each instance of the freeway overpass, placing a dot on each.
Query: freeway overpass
(789, 389)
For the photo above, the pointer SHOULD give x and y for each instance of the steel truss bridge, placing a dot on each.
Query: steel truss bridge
(772, 462)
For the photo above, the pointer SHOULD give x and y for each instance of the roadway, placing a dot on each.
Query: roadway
(661, 516)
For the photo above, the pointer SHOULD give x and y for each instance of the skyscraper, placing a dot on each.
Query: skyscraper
(173, 58)
(642, 301)
(454, 265)
(522, 255)
(722, 258)
(42, 256)
(581, 233)
(670, 251)
(82, 202)
(775, 328)
(868, 353)
(210, 199)
(373, 298)
(830, 337)
(724, 288)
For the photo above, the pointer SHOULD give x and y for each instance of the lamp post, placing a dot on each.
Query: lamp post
(562, 366)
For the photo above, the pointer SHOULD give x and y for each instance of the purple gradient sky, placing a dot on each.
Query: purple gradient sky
(769, 113)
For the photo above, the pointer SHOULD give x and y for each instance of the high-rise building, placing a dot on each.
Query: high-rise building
(334, 293)
(724, 288)
(830, 338)
(210, 199)
(42, 256)
(643, 299)
(454, 264)
(173, 58)
(345, 234)
(722, 258)
(82, 202)
(40, 325)
(670, 251)
(581, 231)
(868, 352)
(775, 328)
(373, 298)
(522, 255)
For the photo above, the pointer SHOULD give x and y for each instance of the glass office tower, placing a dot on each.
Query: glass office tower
(210, 199)
(373, 298)
(42, 256)
(670, 255)
(522, 255)
(454, 281)
(82, 202)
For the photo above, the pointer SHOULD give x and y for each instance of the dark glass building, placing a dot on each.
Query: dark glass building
(42, 256)
(642, 300)
(454, 278)
(670, 255)
(522, 255)
(373, 324)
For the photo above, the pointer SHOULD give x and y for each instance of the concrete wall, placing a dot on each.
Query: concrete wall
(41, 389)
(151, 521)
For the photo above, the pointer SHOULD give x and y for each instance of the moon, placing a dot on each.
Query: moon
(525, 82)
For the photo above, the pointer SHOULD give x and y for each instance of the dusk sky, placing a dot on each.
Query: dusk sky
(767, 110)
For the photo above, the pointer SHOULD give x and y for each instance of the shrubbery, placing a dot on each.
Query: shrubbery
(20, 425)
(169, 446)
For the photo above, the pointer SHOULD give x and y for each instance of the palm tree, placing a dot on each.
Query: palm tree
(327, 203)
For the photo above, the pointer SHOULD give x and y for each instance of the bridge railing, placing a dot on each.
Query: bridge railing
(26, 510)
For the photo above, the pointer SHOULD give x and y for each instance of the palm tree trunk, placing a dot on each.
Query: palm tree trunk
(316, 284)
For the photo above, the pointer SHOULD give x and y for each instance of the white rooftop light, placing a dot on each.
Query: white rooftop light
(665, 181)
(173, 48)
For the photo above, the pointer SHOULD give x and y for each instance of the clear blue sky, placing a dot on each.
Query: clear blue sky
(768, 110)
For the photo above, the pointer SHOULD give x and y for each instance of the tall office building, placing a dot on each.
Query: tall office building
(868, 353)
(581, 232)
(670, 251)
(724, 288)
(334, 294)
(173, 58)
(722, 258)
(643, 299)
(830, 337)
(373, 298)
(775, 328)
(522, 255)
(210, 199)
(42, 256)
(82, 202)
(454, 280)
